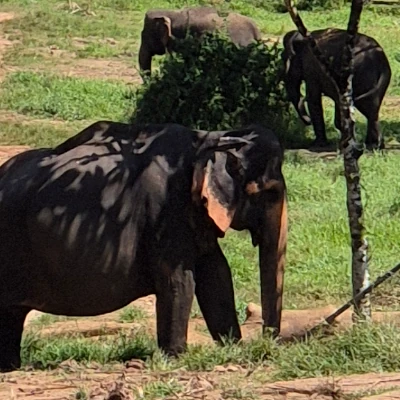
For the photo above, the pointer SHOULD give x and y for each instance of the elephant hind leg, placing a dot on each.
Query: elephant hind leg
(374, 139)
(370, 109)
(11, 327)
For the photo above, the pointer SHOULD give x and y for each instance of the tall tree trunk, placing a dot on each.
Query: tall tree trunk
(349, 148)
(351, 154)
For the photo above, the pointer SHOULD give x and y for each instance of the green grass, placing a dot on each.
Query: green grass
(50, 23)
(48, 319)
(161, 389)
(49, 96)
(368, 348)
(38, 134)
(132, 314)
(48, 352)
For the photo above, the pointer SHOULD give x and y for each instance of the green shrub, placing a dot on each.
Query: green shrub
(214, 84)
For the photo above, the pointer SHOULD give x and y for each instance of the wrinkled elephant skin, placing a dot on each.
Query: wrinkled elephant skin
(372, 76)
(121, 211)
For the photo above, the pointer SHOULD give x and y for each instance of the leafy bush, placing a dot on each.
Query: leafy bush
(214, 84)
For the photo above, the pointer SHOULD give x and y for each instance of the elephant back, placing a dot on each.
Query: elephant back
(332, 41)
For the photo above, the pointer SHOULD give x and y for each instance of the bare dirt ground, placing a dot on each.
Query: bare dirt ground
(66, 381)
(67, 64)
(4, 43)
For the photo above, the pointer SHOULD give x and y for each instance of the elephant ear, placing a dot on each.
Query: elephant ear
(164, 29)
(292, 42)
(217, 180)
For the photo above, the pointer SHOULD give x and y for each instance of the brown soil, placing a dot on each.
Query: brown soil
(222, 383)
(65, 63)
(4, 43)
(7, 152)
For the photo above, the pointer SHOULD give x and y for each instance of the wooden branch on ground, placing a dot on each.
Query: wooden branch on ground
(331, 318)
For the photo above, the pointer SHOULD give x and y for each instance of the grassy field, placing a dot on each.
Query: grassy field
(61, 71)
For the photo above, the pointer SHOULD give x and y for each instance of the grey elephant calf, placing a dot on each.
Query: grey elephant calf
(372, 76)
(162, 26)
(121, 211)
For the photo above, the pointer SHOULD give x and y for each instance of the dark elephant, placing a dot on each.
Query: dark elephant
(372, 76)
(122, 211)
(161, 27)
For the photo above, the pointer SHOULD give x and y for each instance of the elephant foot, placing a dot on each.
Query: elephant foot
(375, 146)
(173, 352)
(319, 143)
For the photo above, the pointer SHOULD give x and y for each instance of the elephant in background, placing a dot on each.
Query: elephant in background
(161, 27)
(121, 211)
(372, 74)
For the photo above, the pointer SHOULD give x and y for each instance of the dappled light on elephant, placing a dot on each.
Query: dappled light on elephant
(121, 211)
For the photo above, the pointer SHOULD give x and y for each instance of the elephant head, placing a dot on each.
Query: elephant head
(155, 38)
(244, 188)
(292, 55)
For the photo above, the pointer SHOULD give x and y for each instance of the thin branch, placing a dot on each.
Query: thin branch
(296, 18)
(331, 318)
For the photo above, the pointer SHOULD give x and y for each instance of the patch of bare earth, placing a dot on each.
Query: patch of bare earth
(51, 59)
(391, 102)
(224, 382)
(7, 152)
(64, 63)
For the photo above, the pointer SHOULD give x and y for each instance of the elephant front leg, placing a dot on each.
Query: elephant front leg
(215, 295)
(175, 292)
(314, 101)
(11, 327)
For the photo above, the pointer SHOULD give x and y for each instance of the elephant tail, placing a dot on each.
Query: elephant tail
(381, 86)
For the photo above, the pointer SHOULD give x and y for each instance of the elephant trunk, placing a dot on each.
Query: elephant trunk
(301, 110)
(272, 262)
(293, 82)
(145, 59)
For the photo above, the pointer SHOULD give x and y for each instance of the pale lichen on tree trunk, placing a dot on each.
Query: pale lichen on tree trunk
(349, 148)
